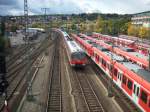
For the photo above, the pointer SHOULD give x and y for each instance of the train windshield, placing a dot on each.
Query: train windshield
(78, 55)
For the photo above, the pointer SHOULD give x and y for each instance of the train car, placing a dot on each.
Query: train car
(75, 53)
(132, 79)
(133, 42)
(135, 56)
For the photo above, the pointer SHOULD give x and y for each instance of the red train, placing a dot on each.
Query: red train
(131, 78)
(75, 53)
(137, 44)
(135, 56)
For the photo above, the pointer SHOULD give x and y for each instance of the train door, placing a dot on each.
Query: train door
(119, 78)
(136, 91)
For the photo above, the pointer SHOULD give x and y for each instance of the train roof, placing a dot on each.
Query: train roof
(65, 34)
(115, 56)
(74, 47)
(127, 49)
(139, 55)
(133, 52)
(145, 74)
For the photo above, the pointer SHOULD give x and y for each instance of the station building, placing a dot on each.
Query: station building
(141, 19)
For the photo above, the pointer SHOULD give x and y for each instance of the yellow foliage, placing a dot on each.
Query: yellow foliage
(132, 30)
(143, 32)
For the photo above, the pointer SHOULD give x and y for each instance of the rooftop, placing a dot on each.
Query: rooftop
(146, 12)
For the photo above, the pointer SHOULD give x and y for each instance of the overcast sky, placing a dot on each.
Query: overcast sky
(15, 7)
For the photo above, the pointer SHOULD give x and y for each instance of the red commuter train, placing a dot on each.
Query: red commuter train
(126, 41)
(135, 56)
(75, 53)
(130, 77)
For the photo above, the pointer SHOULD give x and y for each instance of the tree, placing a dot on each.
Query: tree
(82, 27)
(143, 32)
(98, 25)
(148, 33)
(90, 27)
(132, 30)
(124, 28)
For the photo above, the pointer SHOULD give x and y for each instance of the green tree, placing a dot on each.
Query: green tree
(124, 28)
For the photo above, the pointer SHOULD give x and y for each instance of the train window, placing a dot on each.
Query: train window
(129, 84)
(111, 68)
(144, 96)
(137, 93)
(104, 62)
(107, 65)
(100, 59)
(97, 57)
(78, 55)
(119, 75)
(115, 72)
(124, 80)
(134, 88)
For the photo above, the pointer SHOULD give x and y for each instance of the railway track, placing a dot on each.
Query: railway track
(125, 103)
(16, 56)
(54, 103)
(92, 102)
(19, 58)
(18, 75)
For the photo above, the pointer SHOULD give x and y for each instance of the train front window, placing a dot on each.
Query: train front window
(78, 55)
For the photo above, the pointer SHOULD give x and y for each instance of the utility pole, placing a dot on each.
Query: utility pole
(29, 88)
(45, 16)
(26, 20)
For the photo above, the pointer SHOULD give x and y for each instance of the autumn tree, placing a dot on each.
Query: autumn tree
(133, 30)
(148, 33)
(142, 32)
(90, 27)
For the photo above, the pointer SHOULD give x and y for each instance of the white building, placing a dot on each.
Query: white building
(141, 19)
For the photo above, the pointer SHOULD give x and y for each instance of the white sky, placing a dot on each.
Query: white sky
(15, 7)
